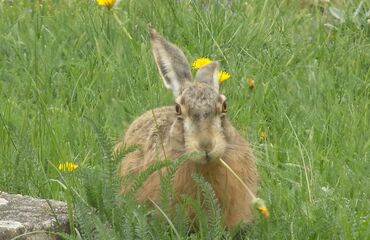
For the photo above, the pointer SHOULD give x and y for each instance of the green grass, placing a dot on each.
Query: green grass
(64, 62)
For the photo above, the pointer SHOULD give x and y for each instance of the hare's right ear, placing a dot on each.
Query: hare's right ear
(171, 62)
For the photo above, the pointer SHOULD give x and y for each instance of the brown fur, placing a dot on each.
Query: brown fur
(202, 127)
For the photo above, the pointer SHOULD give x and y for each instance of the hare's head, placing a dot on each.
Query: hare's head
(199, 105)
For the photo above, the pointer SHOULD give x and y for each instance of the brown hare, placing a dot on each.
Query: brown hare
(196, 123)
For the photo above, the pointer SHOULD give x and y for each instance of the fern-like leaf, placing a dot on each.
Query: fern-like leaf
(200, 216)
(83, 216)
(144, 175)
(166, 182)
(105, 143)
(215, 221)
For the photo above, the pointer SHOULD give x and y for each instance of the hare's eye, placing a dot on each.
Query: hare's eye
(224, 107)
(178, 109)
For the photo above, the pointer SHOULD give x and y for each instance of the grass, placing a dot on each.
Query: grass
(63, 62)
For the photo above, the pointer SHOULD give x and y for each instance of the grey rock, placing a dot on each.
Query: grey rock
(28, 218)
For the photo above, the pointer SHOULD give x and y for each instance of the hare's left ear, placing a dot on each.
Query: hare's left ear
(208, 74)
(171, 62)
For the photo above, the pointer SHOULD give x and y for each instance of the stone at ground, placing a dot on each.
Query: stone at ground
(31, 218)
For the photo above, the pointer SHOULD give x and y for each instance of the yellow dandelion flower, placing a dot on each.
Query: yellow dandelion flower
(200, 62)
(223, 76)
(106, 3)
(263, 136)
(264, 212)
(250, 83)
(261, 207)
(67, 166)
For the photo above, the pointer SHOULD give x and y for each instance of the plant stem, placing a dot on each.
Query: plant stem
(239, 179)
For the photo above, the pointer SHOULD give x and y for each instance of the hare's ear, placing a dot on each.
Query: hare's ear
(208, 74)
(171, 62)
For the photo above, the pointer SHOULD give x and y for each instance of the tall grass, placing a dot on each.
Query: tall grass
(63, 62)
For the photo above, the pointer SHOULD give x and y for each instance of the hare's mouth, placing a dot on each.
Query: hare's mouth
(205, 158)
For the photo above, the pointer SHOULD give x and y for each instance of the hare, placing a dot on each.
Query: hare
(196, 123)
